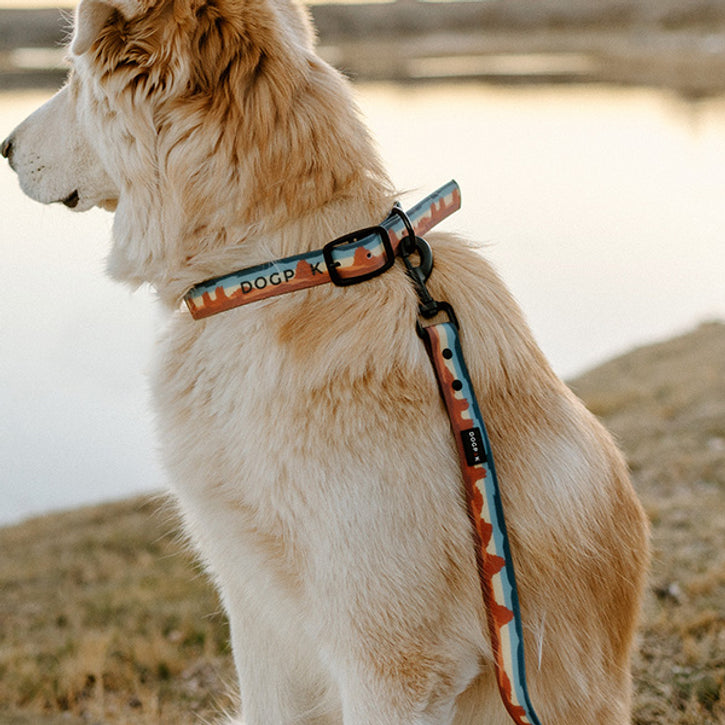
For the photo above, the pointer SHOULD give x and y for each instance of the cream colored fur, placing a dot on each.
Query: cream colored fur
(310, 454)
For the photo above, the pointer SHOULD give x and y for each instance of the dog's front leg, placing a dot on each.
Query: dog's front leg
(280, 680)
(393, 675)
(386, 702)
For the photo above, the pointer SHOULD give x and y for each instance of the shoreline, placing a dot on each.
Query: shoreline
(665, 44)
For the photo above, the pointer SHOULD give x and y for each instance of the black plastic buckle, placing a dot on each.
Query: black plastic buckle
(332, 265)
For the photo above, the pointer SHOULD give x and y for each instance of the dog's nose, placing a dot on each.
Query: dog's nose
(7, 147)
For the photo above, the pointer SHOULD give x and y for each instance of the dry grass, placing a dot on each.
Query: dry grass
(666, 404)
(104, 618)
(104, 615)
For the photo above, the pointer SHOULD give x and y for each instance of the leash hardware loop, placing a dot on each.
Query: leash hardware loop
(418, 274)
(410, 244)
(443, 308)
(332, 265)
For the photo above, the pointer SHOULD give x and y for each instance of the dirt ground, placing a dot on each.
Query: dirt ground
(666, 405)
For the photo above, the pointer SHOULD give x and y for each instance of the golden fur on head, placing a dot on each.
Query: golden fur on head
(309, 451)
(222, 88)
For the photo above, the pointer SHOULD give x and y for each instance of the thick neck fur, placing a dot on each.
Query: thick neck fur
(262, 160)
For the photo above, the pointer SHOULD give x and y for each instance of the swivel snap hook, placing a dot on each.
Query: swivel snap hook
(418, 273)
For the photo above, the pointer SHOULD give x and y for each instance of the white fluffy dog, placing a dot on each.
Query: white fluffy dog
(311, 456)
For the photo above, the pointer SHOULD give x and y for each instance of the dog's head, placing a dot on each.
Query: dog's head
(173, 111)
(133, 63)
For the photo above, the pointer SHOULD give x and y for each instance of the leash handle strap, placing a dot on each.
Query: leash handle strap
(493, 553)
(354, 257)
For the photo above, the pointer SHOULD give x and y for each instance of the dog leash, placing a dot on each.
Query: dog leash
(360, 256)
(493, 554)
(483, 497)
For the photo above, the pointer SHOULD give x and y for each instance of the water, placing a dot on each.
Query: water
(602, 208)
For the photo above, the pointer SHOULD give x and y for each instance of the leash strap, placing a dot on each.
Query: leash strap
(483, 497)
(353, 258)
(493, 553)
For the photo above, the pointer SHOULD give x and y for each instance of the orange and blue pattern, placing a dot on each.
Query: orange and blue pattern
(357, 258)
(493, 553)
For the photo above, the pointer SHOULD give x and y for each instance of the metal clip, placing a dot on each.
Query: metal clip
(412, 244)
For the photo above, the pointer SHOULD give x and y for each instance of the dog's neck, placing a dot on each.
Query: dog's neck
(228, 206)
(241, 245)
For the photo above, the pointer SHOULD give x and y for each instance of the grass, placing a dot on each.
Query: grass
(666, 405)
(105, 616)
(105, 619)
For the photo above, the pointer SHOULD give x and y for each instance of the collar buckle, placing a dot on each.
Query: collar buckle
(380, 237)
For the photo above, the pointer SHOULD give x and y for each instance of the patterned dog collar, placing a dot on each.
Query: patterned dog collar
(350, 259)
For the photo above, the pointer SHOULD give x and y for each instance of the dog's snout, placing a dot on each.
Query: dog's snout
(7, 147)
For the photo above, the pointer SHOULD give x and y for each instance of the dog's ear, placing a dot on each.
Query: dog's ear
(92, 15)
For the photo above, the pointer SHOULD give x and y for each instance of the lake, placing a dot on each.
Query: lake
(602, 208)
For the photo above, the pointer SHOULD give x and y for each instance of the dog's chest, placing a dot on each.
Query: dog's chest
(278, 454)
(226, 408)
(224, 402)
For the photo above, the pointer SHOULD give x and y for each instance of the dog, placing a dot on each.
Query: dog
(310, 455)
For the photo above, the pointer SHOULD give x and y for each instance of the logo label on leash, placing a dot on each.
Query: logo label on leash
(473, 446)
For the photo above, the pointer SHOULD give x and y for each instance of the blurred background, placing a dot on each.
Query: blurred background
(588, 137)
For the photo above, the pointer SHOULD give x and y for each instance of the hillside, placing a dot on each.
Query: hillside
(104, 619)
(666, 405)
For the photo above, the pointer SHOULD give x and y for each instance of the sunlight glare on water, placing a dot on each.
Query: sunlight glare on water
(601, 208)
